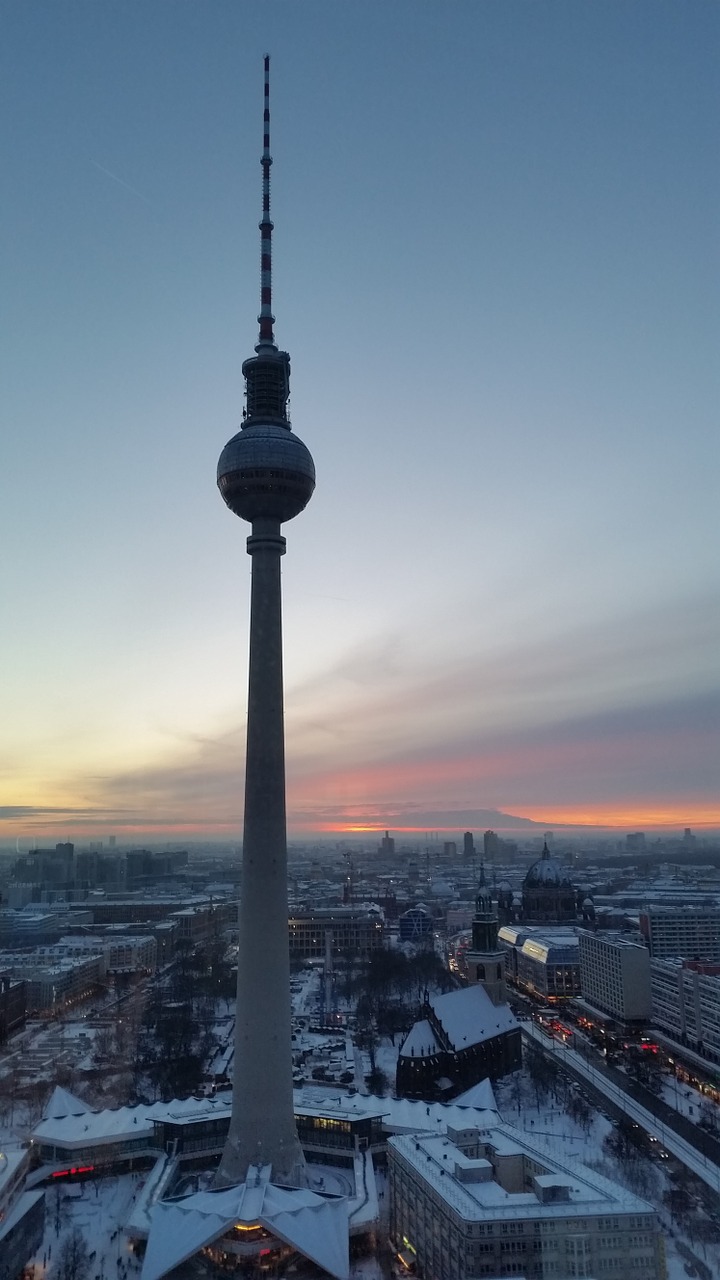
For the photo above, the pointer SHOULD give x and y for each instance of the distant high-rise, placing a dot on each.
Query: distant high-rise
(386, 848)
(468, 846)
(266, 476)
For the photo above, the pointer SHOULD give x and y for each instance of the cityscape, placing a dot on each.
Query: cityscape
(372, 949)
(500, 1054)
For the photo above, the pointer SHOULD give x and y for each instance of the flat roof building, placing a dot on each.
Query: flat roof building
(488, 1202)
(349, 929)
(686, 1004)
(689, 931)
(545, 962)
(615, 976)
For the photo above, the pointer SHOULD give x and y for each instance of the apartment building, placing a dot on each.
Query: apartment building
(693, 932)
(686, 1003)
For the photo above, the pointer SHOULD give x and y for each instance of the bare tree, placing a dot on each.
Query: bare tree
(73, 1260)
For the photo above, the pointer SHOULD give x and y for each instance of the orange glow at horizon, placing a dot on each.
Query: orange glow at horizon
(647, 815)
(640, 816)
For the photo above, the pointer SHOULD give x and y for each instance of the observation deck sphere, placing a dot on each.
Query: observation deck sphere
(266, 471)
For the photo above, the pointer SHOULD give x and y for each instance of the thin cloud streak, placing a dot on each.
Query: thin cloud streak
(120, 181)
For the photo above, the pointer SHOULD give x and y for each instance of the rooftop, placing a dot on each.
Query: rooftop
(437, 1159)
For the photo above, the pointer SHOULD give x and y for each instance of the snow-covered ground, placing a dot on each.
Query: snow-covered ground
(671, 1141)
(690, 1102)
(651, 1179)
(100, 1209)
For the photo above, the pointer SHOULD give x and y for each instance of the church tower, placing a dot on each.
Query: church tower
(485, 960)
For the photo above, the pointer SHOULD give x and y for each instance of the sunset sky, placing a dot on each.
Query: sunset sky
(496, 271)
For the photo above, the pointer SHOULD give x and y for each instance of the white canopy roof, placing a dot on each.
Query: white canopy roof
(62, 1103)
(479, 1095)
(317, 1227)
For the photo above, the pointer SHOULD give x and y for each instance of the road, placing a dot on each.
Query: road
(663, 1129)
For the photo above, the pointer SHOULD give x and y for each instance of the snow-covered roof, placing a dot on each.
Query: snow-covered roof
(314, 1225)
(63, 1103)
(95, 1128)
(402, 1115)
(480, 1095)
(187, 1110)
(102, 1128)
(10, 1162)
(420, 1041)
(469, 1016)
(435, 1159)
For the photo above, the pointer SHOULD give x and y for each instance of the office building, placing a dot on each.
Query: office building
(489, 1202)
(615, 976)
(22, 1214)
(543, 962)
(347, 931)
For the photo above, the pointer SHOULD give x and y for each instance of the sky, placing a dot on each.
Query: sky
(496, 272)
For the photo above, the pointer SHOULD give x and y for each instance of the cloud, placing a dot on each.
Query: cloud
(623, 716)
(381, 703)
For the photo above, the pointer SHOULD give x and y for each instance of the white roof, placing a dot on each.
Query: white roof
(10, 1162)
(420, 1041)
(187, 1109)
(63, 1103)
(469, 1016)
(480, 1095)
(589, 1192)
(402, 1115)
(315, 1226)
(73, 1129)
(95, 1128)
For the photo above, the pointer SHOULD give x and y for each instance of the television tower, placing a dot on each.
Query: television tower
(266, 476)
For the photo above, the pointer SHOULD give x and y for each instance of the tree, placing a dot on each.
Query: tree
(628, 1141)
(542, 1072)
(579, 1110)
(377, 1082)
(36, 1096)
(366, 1036)
(73, 1260)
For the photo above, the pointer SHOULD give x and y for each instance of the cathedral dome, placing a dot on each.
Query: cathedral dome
(548, 893)
(547, 872)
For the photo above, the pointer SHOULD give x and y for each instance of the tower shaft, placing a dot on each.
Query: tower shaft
(262, 1126)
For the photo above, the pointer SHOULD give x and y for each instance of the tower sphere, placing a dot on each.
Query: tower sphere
(266, 472)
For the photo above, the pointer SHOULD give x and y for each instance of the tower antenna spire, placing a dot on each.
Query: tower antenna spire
(266, 318)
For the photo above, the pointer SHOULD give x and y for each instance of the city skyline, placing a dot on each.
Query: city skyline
(496, 272)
